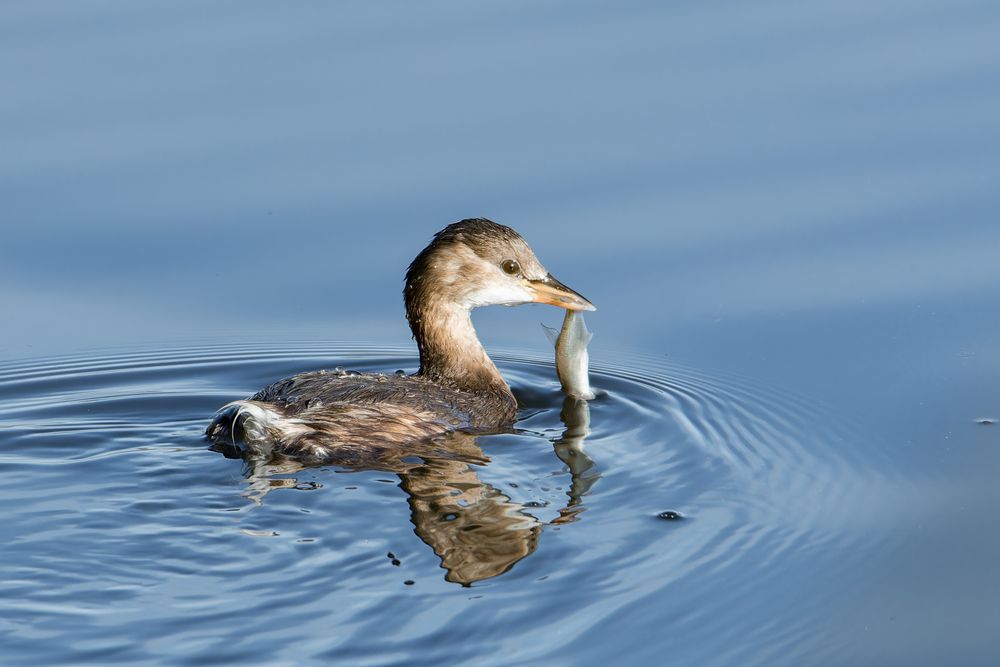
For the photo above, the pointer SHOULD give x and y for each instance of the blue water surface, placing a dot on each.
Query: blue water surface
(787, 213)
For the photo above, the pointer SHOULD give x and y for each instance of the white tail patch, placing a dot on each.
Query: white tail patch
(260, 424)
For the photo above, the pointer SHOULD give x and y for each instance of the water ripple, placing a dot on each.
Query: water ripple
(121, 517)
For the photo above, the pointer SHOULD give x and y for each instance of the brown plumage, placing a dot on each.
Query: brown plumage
(324, 415)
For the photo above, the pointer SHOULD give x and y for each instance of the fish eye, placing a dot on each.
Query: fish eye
(510, 267)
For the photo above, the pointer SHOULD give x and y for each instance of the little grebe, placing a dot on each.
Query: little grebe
(313, 416)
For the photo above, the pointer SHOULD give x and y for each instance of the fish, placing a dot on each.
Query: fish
(572, 359)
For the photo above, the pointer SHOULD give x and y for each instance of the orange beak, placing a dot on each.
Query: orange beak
(551, 291)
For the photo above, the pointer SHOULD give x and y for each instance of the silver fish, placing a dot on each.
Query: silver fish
(572, 360)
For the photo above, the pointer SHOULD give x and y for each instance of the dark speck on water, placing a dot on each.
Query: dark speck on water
(308, 486)
(753, 198)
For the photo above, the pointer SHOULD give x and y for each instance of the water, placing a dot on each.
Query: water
(785, 212)
(554, 528)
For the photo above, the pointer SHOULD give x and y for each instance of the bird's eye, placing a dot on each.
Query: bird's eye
(511, 267)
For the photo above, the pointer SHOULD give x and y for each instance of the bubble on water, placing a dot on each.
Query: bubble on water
(986, 421)
(307, 486)
(670, 515)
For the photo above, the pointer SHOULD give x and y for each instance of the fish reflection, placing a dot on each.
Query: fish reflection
(575, 416)
(476, 530)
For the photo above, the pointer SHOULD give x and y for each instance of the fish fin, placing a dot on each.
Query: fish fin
(588, 335)
(551, 334)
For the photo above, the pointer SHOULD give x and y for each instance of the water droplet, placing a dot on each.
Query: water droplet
(670, 515)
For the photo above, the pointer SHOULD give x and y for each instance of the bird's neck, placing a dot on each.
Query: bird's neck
(450, 350)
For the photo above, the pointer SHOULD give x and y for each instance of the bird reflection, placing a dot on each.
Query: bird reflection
(476, 530)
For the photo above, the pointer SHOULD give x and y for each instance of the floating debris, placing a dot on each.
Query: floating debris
(307, 486)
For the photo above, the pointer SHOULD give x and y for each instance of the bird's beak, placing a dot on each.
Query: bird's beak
(551, 291)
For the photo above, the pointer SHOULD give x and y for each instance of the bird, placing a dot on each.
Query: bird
(324, 415)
